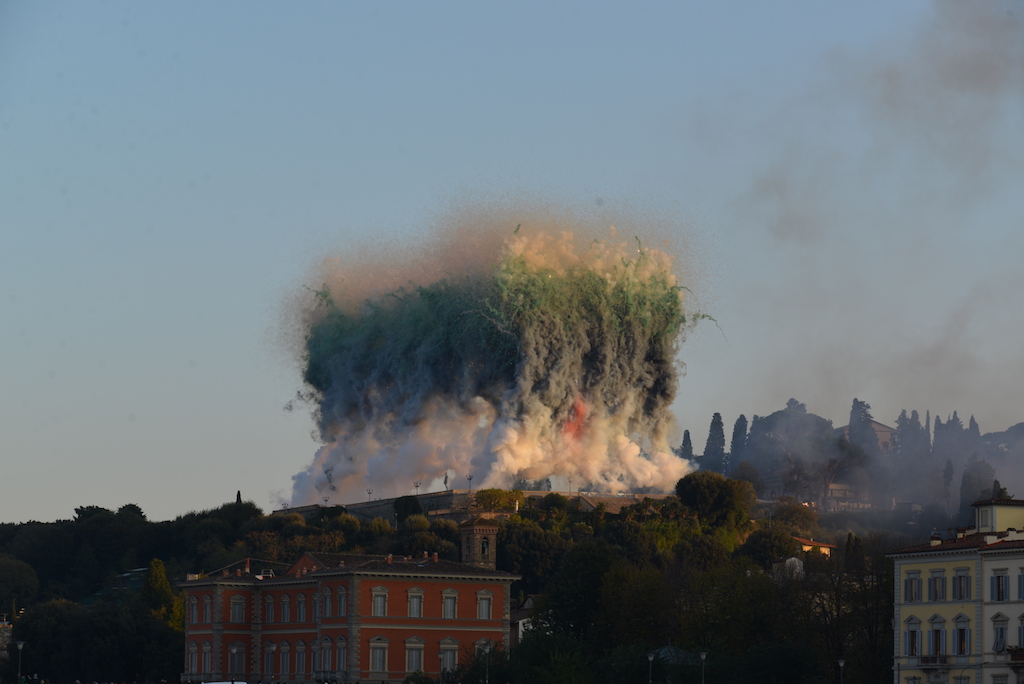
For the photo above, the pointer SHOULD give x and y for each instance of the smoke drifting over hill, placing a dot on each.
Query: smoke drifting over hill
(512, 347)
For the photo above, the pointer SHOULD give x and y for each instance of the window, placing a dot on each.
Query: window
(1020, 632)
(962, 585)
(342, 602)
(379, 603)
(236, 658)
(193, 610)
(1020, 585)
(449, 658)
(193, 657)
(317, 666)
(237, 612)
(414, 654)
(984, 518)
(286, 608)
(300, 657)
(485, 548)
(937, 636)
(300, 608)
(999, 586)
(325, 654)
(937, 586)
(268, 610)
(207, 609)
(913, 680)
(999, 625)
(416, 602)
(268, 658)
(327, 603)
(342, 654)
(961, 635)
(912, 588)
(285, 658)
(378, 655)
(999, 679)
(912, 637)
(449, 604)
(483, 605)
(207, 657)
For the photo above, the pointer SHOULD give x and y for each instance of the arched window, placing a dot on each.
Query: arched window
(268, 609)
(300, 608)
(286, 608)
(193, 610)
(286, 651)
(207, 609)
(325, 654)
(237, 609)
(236, 658)
(342, 602)
(485, 548)
(342, 650)
(207, 657)
(300, 657)
(193, 658)
(326, 599)
(268, 657)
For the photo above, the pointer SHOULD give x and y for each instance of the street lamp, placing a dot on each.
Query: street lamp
(440, 667)
(369, 492)
(650, 666)
(232, 664)
(841, 663)
(470, 478)
(417, 486)
(703, 657)
(21, 645)
(487, 660)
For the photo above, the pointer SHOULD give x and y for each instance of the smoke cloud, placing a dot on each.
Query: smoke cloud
(504, 348)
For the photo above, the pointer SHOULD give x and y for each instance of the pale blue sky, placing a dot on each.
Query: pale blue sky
(848, 173)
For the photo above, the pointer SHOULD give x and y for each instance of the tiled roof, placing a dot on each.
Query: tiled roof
(399, 564)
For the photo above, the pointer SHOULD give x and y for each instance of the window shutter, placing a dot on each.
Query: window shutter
(906, 642)
(992, 588)
(1020, 635)
(942, 644)
(967, 651)
(1020, 587)
(942, 591)
(931, 588)
(967, 588)
(906, 590)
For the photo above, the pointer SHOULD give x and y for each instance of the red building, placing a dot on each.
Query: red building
(348, 618)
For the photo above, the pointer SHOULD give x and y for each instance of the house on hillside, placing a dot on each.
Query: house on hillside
(958, 606)
(348, 618)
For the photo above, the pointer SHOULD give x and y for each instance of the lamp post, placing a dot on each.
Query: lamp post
(21, 645)
(487, 660)
(369, 493)
(270, 666)
(231, 664)
(417, 486)
(650, 666)
(440, 667)
(841, 663)
(470, 478)
(703, 657)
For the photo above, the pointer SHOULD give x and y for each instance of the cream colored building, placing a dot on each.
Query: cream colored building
(959, 603)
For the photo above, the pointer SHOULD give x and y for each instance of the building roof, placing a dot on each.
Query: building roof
(999, 502)
(811, 542)
(983, 541)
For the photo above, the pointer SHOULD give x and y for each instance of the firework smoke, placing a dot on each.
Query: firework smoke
(522, 351)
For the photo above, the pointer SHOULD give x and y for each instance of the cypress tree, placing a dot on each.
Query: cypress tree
(714, 450)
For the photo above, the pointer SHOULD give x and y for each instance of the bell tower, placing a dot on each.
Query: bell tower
(478, 543)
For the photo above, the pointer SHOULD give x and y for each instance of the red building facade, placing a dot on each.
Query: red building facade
(343, 618)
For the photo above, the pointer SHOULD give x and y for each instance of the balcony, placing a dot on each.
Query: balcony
(938, 661)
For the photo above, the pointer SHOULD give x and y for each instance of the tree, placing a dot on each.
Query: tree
(686, 448)
(406, 506)
(716, 500)
(714, 450)
(861, 431)
(739, 440)
(975, 484)
(764, 547)
(746, 471)
(156, 594)
(947, 482)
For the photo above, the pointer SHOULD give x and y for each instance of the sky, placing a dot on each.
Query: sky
(845, 179)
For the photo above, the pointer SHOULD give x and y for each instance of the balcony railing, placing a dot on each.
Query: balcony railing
(934, 661)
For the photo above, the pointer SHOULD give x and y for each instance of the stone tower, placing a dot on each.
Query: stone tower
(478, 543)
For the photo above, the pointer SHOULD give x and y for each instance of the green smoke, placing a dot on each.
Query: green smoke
(532, 339)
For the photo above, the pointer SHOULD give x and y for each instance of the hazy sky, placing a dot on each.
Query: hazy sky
(848, 177)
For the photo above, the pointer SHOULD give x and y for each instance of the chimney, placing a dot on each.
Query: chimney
(435, 556)
(247, 566)
(425, 555)
(936, 539)
(224, 573)
(389, 560)
(238, 572)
